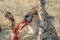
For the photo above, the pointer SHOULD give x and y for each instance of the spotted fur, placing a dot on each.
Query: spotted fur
(47, 29)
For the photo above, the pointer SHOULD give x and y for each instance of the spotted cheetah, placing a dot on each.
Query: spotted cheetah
(47, 29)
(43, 21)
(9, 16)
(33, 25)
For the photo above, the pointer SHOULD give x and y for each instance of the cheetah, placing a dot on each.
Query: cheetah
(33, 18)
(47, 28)
(10, 17)
(48, 31)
